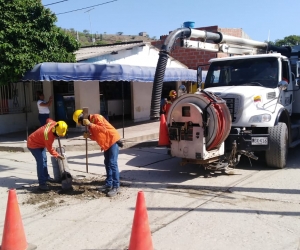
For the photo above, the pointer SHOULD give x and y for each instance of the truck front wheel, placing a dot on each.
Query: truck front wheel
(277, 154)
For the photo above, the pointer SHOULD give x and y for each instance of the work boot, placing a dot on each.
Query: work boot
(113, 192)
(104, 188)
(44, 188)
(51, 180)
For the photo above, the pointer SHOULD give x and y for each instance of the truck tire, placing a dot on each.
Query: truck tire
(277, 154)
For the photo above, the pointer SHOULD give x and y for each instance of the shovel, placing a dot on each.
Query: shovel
(66, 182)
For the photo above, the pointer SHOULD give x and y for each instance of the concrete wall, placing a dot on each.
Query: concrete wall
(141, 100)
(87, 94)
(16, 122)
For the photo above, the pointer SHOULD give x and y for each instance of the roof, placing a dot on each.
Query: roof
(93, 51)
(51, 71)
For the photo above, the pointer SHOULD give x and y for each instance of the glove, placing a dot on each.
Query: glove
(60, 157)
(86, 122)
(86, 135)
(120, 143)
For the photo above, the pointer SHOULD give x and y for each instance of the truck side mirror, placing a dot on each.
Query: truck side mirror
(298, 70)
(282, 85)
(199, 76)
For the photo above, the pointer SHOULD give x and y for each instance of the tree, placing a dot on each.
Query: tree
(119, 33)
(28, 36)
(287, 41)
(86, 32)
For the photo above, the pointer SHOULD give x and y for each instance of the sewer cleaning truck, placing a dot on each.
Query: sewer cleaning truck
(249, 105)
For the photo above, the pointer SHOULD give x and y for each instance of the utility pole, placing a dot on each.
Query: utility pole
(88, 11)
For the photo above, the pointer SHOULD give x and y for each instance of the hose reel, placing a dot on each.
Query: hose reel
(198, 124)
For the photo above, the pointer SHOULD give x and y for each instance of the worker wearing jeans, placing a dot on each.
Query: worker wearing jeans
(41, 161)
(111, 166)
(38, 142)
(108, 138)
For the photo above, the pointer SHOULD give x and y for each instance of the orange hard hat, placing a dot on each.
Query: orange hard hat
(173, 93)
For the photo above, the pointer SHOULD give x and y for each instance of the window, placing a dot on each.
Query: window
(261, 71)
(285, 71)
(36, 86)
(13, 98)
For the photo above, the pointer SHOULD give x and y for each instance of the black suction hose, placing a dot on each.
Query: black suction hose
(161, 68)
(158, 84)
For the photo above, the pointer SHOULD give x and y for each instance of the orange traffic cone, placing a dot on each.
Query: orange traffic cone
(163, 132)
(13, 232)
(140, 233)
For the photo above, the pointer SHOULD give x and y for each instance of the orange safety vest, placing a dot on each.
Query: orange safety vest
(43, 138)
(102, 132)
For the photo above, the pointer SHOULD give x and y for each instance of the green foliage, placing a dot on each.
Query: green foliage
(28, 36)
(100, 42)
(287, 41)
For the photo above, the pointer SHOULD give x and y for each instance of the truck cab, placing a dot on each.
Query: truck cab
(250, 86)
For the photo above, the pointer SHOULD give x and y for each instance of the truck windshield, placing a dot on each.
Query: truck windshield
(243, 72)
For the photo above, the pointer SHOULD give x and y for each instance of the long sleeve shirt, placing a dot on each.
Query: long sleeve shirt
(102, 132)
(43, 138)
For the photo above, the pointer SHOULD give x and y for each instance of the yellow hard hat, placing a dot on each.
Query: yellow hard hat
(61, 128)
(76, 115)
(173, 93)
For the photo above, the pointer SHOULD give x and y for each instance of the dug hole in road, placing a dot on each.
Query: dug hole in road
(256, 208)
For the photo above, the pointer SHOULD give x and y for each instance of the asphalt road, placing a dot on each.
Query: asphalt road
(256, 208)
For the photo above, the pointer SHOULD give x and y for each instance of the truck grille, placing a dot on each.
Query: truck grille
(233, 105)
(271, 95)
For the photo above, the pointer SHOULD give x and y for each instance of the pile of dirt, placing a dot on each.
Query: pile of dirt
(82, 188)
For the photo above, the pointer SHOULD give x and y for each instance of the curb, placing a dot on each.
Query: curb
(150, 140)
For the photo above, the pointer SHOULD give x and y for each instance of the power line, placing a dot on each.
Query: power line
(86, 7)
(55, 3)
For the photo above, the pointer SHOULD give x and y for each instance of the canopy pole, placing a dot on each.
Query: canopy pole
(25, 110)
(123, 107)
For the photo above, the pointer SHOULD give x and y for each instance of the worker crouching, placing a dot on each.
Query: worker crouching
(39, 141)
(108, 138)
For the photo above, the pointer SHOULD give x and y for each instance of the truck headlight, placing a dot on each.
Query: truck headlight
(260, 118)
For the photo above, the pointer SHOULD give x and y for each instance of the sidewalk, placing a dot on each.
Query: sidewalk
(133, 135)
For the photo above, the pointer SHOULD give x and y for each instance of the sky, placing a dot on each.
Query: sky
(259, 19)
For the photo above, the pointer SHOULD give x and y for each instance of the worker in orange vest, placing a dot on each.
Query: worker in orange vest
(108, 138)
(168, 103)
(39, 141)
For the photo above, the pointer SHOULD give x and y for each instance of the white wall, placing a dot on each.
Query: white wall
(137, 56)
(16, 122)
(87, 94)
(141, 100)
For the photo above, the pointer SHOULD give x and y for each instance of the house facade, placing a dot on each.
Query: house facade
(112, 98)
(115, 96)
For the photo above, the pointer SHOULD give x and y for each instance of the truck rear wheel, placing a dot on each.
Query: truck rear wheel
(277, 154)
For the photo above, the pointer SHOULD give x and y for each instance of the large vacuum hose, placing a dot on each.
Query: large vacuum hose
(158, 84)
(161, 68)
